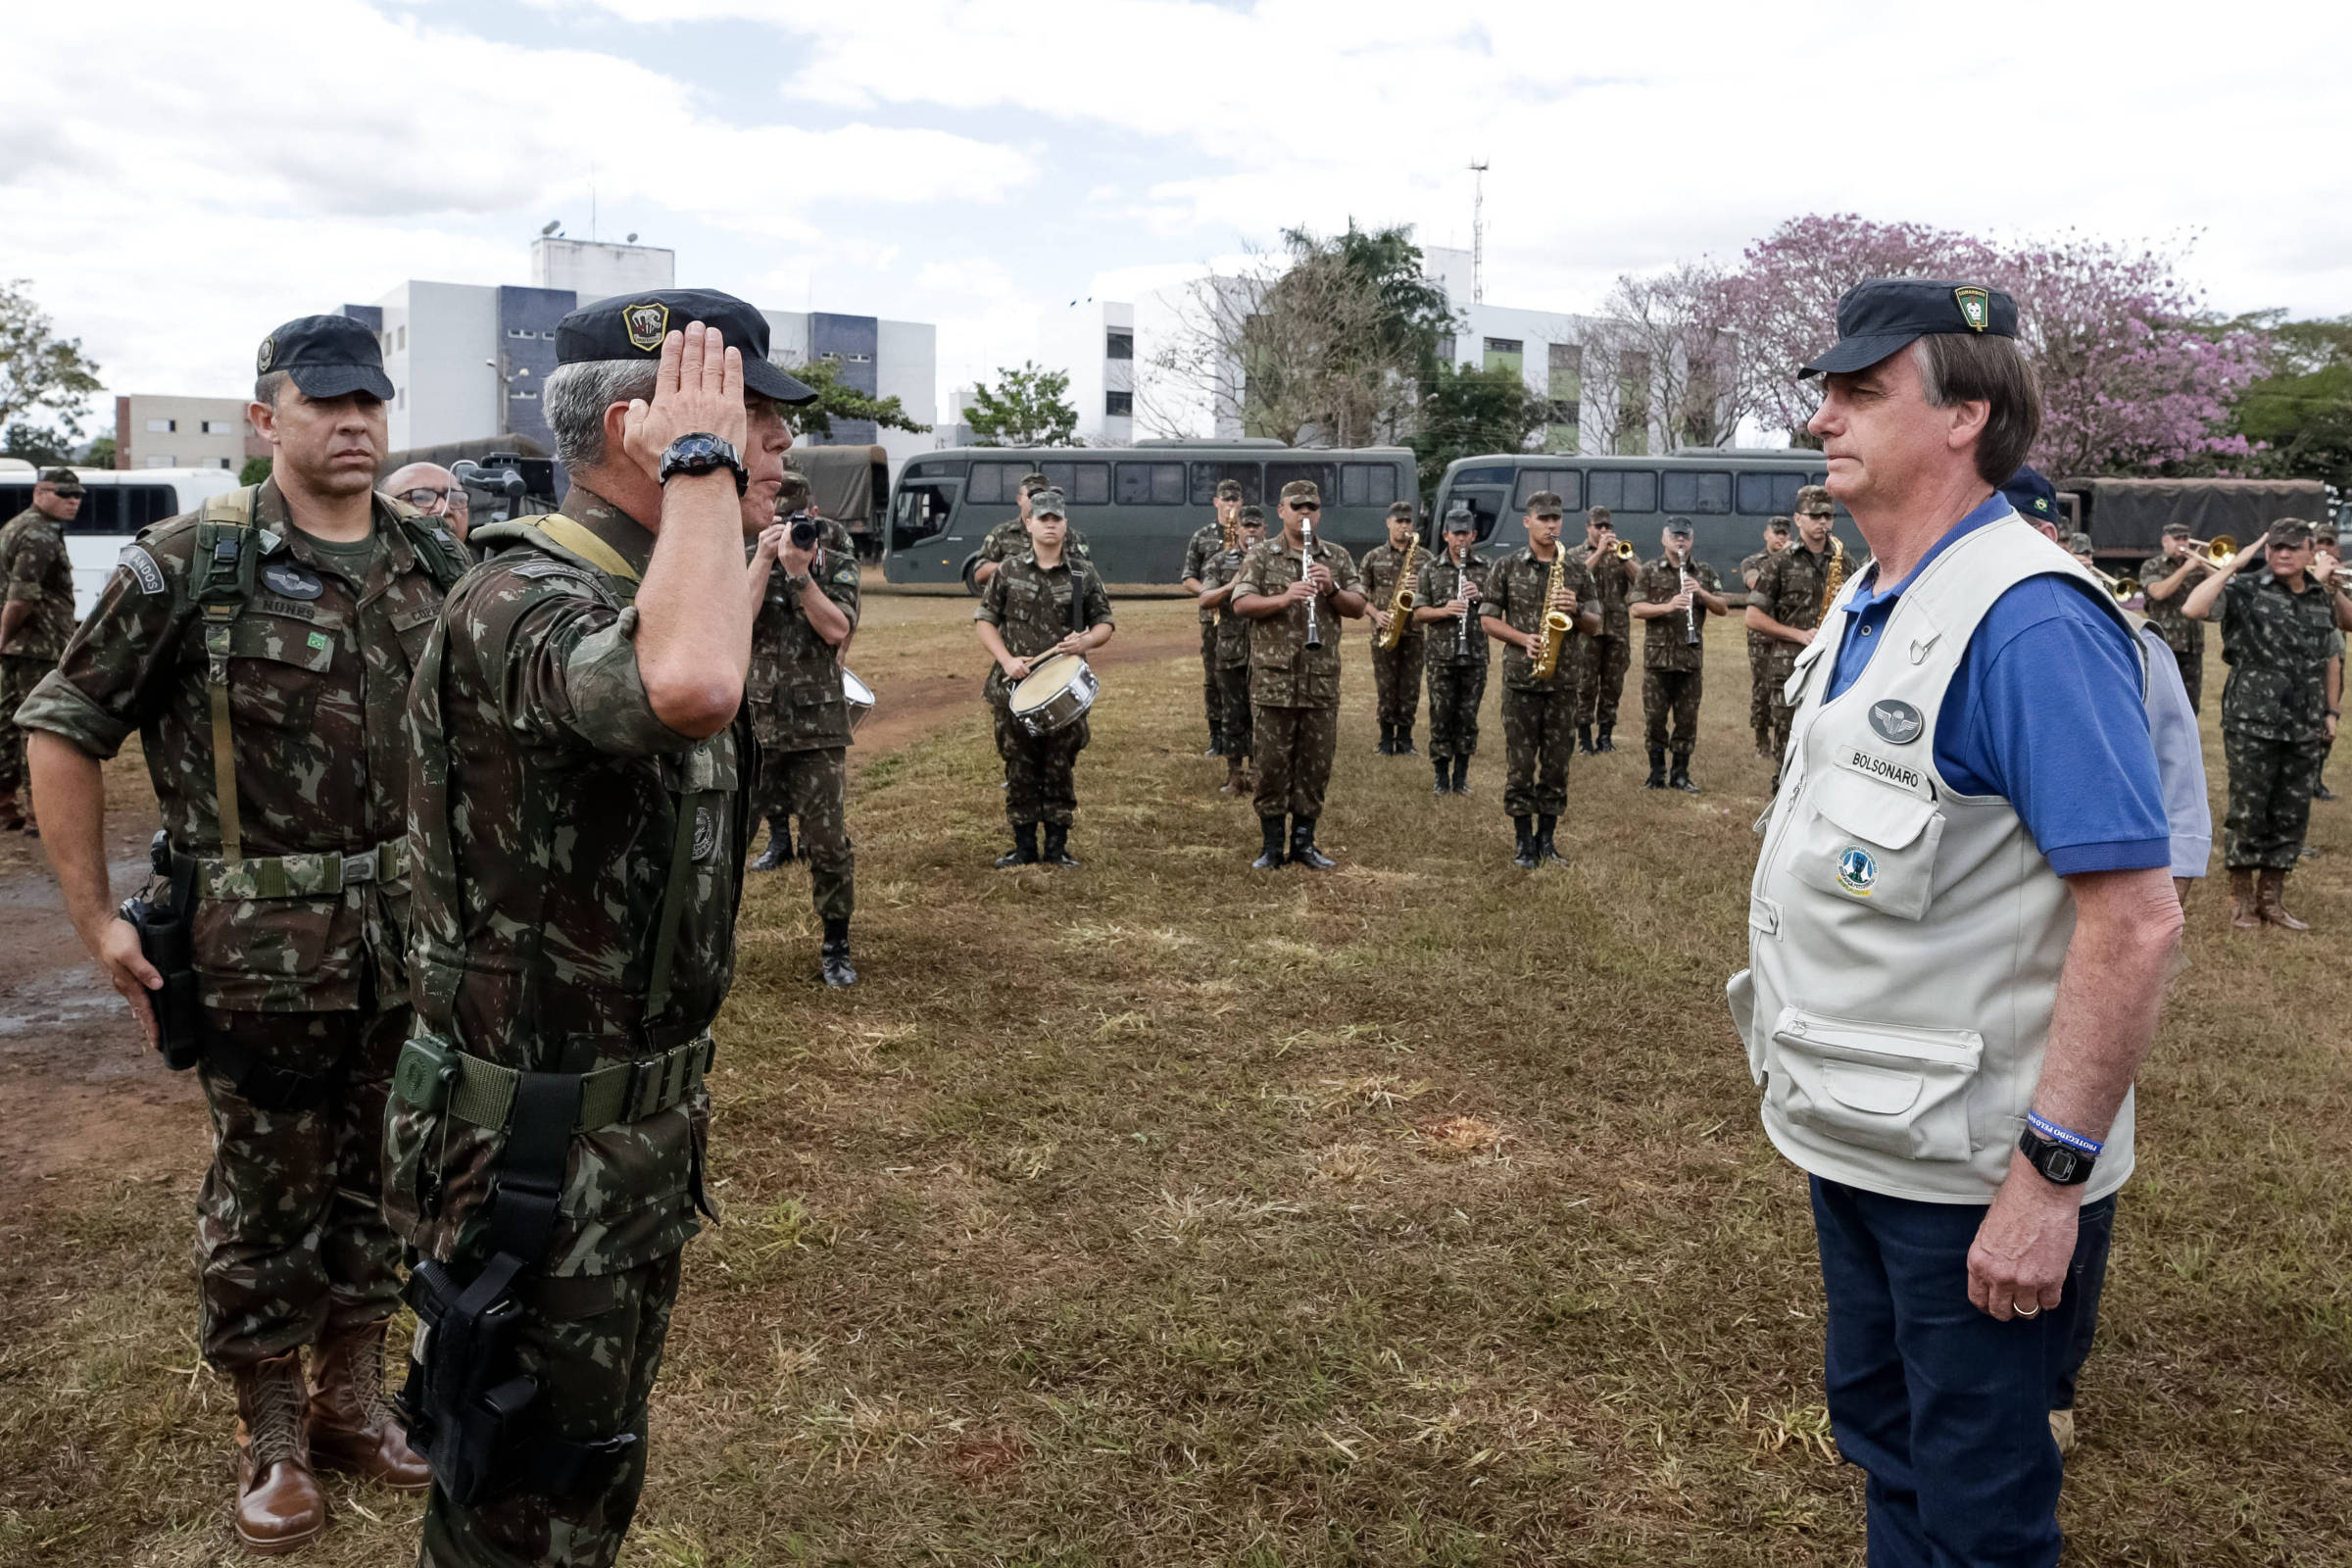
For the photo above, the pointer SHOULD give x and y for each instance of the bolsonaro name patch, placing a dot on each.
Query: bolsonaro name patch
(1886, 770)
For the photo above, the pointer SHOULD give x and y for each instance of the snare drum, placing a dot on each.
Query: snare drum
(1055, 695)
(860, 698)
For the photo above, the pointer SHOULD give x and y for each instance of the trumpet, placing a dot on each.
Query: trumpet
(1400, 606)
(2121, 588)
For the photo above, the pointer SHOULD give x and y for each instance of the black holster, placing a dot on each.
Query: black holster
(167, 940)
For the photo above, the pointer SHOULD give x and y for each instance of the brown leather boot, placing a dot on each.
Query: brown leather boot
(2243, 913)
(352, 1428)
(2271, 904)
(279, 1507)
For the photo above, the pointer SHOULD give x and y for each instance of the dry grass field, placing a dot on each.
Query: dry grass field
(1167, 1212)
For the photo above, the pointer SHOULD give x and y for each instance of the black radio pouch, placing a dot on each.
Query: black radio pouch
(167, 941)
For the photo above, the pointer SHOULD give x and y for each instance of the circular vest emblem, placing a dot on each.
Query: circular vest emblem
(1857, 871)
(284, 578)
(705, 832)
(1897, 721)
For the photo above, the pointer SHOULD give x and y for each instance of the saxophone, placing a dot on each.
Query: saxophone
(1400, 603)
(1556, 623)
(1231, 528)
(1834, 581)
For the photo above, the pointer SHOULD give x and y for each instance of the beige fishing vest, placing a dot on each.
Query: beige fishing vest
(1904, 940)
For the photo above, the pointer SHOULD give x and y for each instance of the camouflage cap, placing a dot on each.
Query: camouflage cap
(1777, 525)
(1302, 492)
(1598, 516)
(2078, 544)
(1401, 509)
(65, 481)
(2291, 532)
(1815, 499)
(1461, 519)
(1252, 514)
(2177, 531)
(1229, 489)
(1545, 503)
(1032, 483)
(794, 493)
(1046, 503)
(1679, 527)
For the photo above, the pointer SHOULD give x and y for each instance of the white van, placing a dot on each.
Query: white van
(117, 505)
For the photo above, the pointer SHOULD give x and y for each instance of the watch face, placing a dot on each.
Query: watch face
(2061, 1162)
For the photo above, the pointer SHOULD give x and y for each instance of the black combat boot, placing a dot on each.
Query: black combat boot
(1024, 847)
(1546, 851)
(1404, 742)
(1302, 845)
(1217, 742)
(833, 960)
(779, 847)
(1388, 739)
(1273, 855)
(1583, 740)
(1524, 857)
(1657, 769)
(1443, 766)
(1601, 741)
(1681, 779)
(1058, 847)
(1461, 773)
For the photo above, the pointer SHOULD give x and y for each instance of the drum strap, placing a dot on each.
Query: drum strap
(1077, 599)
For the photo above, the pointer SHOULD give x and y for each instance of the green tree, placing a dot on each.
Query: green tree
(836, 399)
(101, 454)
(36, 444)
(2299, 417)
(1466, 409)
(255, 469)
(44, 379)
(1026, 408)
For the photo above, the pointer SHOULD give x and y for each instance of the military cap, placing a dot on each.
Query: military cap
(1032, 483)
(1302, 492)
(2175, 530)
(1048, 503)
(2034, 497)
(2078, 544)
(1252, 513)
(1461, 519)
(1599, 516)
(1401, 509)
(1887, 314)
(1545, 503)
(2290, 532)
(794, 491)
(632, 327)
(1229, 489)
(328, 356)
(1679, 527)
(1815, 498)
(1777, 525)
(65, 481)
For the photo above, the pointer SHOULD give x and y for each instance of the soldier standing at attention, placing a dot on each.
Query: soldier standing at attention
(1450, 585)
(1044, 603)
(263, 646)
(1233, 648)
(1609, 652)
(2275, 719)
(805, 609)
(1788, 599)
(1678, 595)
(36, 577)
(1295, 683)
(1759, 645)
(1208, 542)
(1539, 712)
(1010, 537)
(1395, 672)
(2168, 576)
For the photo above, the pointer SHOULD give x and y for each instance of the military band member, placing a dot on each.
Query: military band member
(1012, 536)
(2168, 576)
(1025, 617)
(1218, 577)
(1785, 602)
(1759, 645)
(1208, 542)
(1678, 595)
(1539, 711)
(36, 578)
(280, 766)
(805, 606)
(1609, 652)
(1294, 687)
(1451, 585)
(1397, 671)
(2326, 563)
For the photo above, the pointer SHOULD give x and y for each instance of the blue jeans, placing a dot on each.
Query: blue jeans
(1945, 1409)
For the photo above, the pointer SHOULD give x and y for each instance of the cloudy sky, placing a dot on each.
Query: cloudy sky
(179, 178)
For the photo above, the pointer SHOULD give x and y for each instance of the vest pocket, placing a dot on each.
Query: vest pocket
(1870, 845)
(1740, 993)
(1893, 1088)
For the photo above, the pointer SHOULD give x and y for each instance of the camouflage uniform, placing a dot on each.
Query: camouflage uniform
(1789, 590)
(35, 569)
(802, 721)
(1232, 653)
(1609, 652)
(1539, 716)
(559, 833)
(1029, 605)
(1671, 666)
(1759, 656)
(297, 937)
(2184, 636)
(1395, 672)
(1010, 538)
(1457, 680)
(2274, 713)
(1293, 693)
(1206, 544)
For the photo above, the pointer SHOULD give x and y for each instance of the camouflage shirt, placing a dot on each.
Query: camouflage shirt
(547, 799)
(1283, 673)
(35, 570)
(1667, 645)
(1207, 543)
(1441, 582)
(1752, 565)
(1029, 605)
(1379, 567)
(2180, 634)
(1789, 587)
(1233, 631)
(318, 675)
(1516, 590)
(1614, 584)
(1010, 538)
(2277, 645)
(794, 690)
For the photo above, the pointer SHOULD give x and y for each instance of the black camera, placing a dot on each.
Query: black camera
(167, 940)
(802, 529)
(515, 486)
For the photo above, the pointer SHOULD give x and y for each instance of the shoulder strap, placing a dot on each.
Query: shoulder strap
(575, 538)
(226, 557)
(444, 559)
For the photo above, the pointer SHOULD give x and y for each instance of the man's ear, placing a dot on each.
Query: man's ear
(263, 416)
(616, 429)
(1969, 419)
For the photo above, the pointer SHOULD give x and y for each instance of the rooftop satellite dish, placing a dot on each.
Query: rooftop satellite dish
(553, 224)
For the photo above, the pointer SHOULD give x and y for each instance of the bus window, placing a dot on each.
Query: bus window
(1151, 485)
(995, 484)
(922, 510)
(1624, 489)
(1566, 483)
(1082, 485)
(1206, 476)
(1702, 494)
(1769, 495)
(1326, 477)
(1368, 484)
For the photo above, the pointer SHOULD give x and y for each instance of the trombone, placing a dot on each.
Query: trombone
(2218, 552)
(2123, 588)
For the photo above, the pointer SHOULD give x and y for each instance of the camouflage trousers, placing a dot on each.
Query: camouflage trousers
(809, 785)
(1455, 689)
(2269, 798)
(1397, 681)
(1601, 684)
(2192, 677)
(18, 678)
(1233, 690)
(1038, 771)
(1759, 684)
(1671, 695)
(1295, 746)
(1539, 737)
(1779, 665)
(1212, 690)
(290, 1236)
(595, 1342)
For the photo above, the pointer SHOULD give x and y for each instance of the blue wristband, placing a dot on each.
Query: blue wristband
(2063, 1135)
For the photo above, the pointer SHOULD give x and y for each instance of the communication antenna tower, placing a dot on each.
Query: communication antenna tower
(1478, 232)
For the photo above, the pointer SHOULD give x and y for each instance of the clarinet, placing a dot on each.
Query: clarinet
(1306, 562)
(1464, 589)
(1691, 632)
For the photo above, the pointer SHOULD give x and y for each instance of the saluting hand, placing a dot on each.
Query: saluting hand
(697, 389)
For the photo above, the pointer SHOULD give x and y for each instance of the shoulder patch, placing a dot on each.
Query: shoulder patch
(546, 567)
(142, 567)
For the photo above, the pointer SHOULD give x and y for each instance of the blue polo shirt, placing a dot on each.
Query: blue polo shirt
(2044, 710)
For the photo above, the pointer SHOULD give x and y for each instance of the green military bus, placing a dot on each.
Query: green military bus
(1137, 505)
